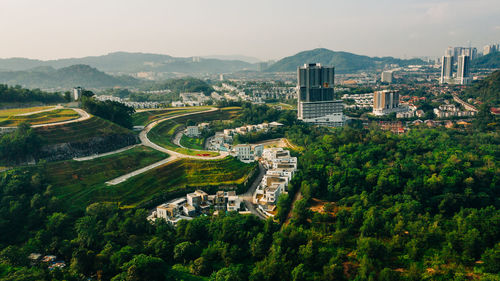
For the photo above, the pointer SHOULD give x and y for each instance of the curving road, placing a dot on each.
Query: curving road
(143, 136)
(83, 116)
(174, 155)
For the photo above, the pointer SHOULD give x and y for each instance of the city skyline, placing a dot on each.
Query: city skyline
(262, 29)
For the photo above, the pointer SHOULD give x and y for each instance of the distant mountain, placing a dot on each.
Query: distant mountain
(123, 62)
(234, 57)
(344, 62)
(489, 61)
(66, 77)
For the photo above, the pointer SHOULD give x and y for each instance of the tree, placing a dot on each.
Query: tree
(184, 251)
(143, 267)
(231, 273)
(300, 212)
(491, 259)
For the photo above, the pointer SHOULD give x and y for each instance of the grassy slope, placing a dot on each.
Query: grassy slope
(163, 133)
(82, 183)
(4, 113)
(72, 180)
(143, 118)
(80, 131)
(175, 177)
(57, 115)
(194, 143)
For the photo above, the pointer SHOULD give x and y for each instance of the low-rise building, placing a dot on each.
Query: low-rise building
(192, 131)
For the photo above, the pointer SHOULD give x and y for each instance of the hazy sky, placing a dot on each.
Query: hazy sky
(266, 29)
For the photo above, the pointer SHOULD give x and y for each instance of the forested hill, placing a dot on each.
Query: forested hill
(489, 61)
(124, 62)
(67, 77)
(344, 62)
(487, 90)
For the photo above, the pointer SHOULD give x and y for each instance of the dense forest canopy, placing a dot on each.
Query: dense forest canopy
(113, 111)
(17, 94)
(183, 85)
(410, 207)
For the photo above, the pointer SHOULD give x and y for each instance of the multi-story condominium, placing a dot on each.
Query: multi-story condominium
(386, 102)
(316, 103)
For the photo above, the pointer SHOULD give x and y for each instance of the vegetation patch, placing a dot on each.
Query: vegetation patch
(175, 178)
(46, 117)
(6, 113)
(73, 180)
(80, 131)
(194, 143)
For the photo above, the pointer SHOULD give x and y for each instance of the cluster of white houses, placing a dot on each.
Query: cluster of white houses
(280, 170)
(191, 99)
(222, 141)
(450, 110)
(194, 204)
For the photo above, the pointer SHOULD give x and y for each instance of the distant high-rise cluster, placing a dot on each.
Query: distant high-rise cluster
(316, 102)
(492, 48)
(459, 57)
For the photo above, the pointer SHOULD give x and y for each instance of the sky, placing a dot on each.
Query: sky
(266, 29)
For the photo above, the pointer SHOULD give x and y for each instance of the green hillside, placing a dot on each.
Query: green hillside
(487, 90)
(344, 62)
(83, 183)
(489, 61)
(66, 77)
(80, 131)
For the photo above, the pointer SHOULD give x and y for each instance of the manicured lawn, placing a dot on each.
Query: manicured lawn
(46, 117)
(80, 131)
(194, 143)
(143, 118)
(72, 180)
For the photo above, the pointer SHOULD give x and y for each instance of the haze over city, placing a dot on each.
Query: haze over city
(263, 29)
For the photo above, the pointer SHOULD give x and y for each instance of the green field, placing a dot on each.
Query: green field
(73, 180)
(163, 133)
(143, 118)
(82, 183)
(46, 117)
(15, 111)
(80, 131)
(194, 143)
